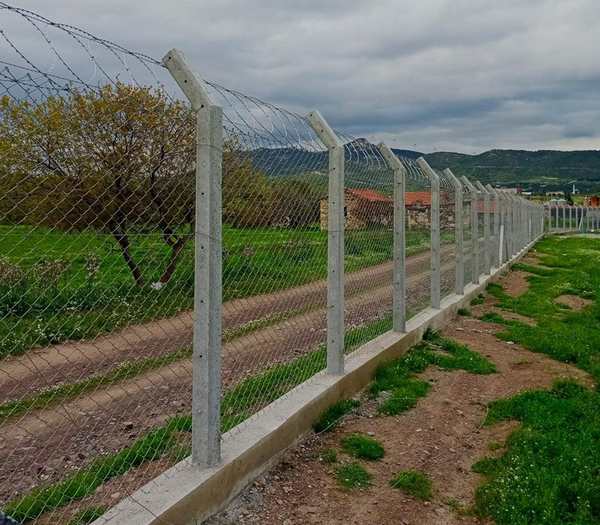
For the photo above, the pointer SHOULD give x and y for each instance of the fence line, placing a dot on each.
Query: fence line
(172, 264)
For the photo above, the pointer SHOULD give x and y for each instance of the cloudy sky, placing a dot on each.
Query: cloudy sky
(431, 75)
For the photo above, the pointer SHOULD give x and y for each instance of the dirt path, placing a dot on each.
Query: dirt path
(443, 436)
(72, 361)
(43, 444)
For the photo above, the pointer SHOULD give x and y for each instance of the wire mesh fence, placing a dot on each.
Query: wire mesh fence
(99, 244)
(368, 241)
(448, 234)
(417, 198)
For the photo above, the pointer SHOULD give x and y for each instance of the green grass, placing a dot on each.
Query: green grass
(362, 447)
(328, 456)
(65, 392)
(91, 290)
(571, 267)
(493, 317)
(396, 377)
(87, 516)
(237, 405)
(330, 417)
(352, 476)
(550, 472)
(477, 300)
(414, 483)
(464, 312)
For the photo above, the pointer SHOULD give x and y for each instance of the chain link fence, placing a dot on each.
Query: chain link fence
(175, 256)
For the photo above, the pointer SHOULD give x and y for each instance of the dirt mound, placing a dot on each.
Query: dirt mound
(574, 302)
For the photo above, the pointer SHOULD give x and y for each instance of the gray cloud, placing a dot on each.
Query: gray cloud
(464, 75)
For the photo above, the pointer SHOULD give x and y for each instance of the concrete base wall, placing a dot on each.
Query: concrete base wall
(186, 494)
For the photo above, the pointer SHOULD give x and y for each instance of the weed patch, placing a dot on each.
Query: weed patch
(477, 300)
(330, 418)
(414, 483)
(363, 447)
(87, 516)
(353, 475)
(328, 456)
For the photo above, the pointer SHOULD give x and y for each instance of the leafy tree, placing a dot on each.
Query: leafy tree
(117, 159)
(296, 203)
(247, 193)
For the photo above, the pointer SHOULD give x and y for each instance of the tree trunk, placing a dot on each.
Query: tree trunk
(176, 251)
(123, 241)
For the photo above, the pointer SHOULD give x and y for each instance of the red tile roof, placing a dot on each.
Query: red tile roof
(369, 195)
(417, 197)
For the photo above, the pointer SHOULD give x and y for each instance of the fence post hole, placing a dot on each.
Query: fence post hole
(459, 245)
(435, 232)
(208, 297)
(399, 272)
(335, 242)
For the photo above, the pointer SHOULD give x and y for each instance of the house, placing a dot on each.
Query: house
(363, 208)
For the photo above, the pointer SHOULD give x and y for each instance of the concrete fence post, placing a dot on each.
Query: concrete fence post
(502, 227)
(496, 216)
(208, 248)
(435, 232)
(399, 272)
(487, 250)
(335, 243)
(475, 273)
(570, 218)
(587, 219)
(459, 245)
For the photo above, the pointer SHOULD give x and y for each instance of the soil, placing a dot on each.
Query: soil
(515, 283)
(574, 302)
(43, 445)
(442, 437)
(43, 368)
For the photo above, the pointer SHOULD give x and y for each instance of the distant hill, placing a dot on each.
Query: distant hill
(539, 171)
(543, 170)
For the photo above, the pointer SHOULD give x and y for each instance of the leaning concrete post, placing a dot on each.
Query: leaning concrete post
(399, 276)
(474, 230)
(459, 246)
(208, 248)
(335, 243)
(435, 232)
(486, 228)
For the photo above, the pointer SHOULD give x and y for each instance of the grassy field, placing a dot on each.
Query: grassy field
(56, 286)
(549, 472)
